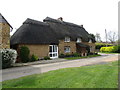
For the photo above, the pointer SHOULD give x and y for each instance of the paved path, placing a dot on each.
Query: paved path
(16, 72)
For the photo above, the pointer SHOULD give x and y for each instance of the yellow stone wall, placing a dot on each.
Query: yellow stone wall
(92, 46)
(62, 44)
(4, 35)
(38, 50)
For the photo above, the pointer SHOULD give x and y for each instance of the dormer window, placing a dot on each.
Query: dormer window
(90, 41)
(67, 39)
(79, 40)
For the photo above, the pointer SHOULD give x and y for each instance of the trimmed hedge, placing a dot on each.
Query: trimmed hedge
(111, 49)
(99, 45)
(8, 57)
(24, 54)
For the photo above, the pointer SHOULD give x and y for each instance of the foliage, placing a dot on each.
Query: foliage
(99, 45)
(95, 76)
(8, 57)
(68, 55)
(61, 55)
(34, 58)
(46, 58)
(111, 49)
(24, 54)
(76, 54)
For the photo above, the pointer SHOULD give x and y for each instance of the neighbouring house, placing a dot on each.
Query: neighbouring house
(53, 37)
(5, 29)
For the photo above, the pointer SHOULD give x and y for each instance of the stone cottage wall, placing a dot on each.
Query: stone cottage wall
(62, 44)
(38, 50)
(4, 35)
(92, 46)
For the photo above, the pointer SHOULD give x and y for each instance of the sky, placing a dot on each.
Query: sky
(94, 15)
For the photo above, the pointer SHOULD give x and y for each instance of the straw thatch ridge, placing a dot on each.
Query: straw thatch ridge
(50, 31)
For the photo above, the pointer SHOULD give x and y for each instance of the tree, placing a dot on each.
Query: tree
(92, 35)
(112, 36)
(98, 38)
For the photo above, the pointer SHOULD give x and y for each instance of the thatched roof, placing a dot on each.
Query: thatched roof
(3, 20)
(50, 31)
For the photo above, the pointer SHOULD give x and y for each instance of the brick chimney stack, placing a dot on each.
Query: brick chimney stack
(81, 25)
(60, 19)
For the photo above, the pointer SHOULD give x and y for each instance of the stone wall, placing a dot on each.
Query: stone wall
(4, 35)
(38, 50)
(62, 44)
(92, 46)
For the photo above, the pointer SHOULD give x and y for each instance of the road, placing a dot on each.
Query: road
(17, 72)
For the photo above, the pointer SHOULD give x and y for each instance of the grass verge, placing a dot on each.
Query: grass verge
(109, 53)
(96, 76)
(73, 58)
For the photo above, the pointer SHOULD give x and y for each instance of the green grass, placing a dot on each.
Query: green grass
(109, 53)
(73, 58)
(96, 76)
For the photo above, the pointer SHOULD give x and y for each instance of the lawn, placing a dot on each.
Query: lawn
(109, 53)
(73, 58)
(96, 76)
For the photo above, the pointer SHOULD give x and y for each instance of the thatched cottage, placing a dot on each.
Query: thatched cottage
(5, 29)
(53, 37)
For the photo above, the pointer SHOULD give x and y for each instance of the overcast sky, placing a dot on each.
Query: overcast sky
(95, 15)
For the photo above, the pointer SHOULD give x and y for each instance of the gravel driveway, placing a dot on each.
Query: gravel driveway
(17, 72)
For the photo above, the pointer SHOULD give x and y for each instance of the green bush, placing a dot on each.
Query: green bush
(99, 45)
(61, 55)
(24, 54)
(46, 58)
(111, 49)
(33, 58)
(76, 54)
(68, 55)
(8, 57)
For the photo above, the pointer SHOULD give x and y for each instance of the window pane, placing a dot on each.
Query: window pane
(67, 49)
(50, 49)
(50, 55)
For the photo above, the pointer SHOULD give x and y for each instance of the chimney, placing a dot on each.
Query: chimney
(81, 25)
(60, 19)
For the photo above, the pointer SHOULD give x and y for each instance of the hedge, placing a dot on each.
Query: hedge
(99, 45)
(112, 49)
(24, 54)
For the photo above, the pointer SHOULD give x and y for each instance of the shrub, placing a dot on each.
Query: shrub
(33, 58)
(8, 57)
(68, 55)
(76, 54)
(99, 45)
(24, 54)
(113, 49)
(46, 58)
(61, 55)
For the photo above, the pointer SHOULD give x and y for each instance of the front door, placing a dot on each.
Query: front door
(53, 51)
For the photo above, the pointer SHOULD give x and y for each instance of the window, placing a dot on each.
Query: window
(79, 40)
(90, 41)
(67, 39)
(67, 49)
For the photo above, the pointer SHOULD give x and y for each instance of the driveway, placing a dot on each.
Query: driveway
(17, 72)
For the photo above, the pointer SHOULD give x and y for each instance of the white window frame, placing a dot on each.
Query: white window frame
(79, 40)
(67, 39)
(67, 49)
(54, 51)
